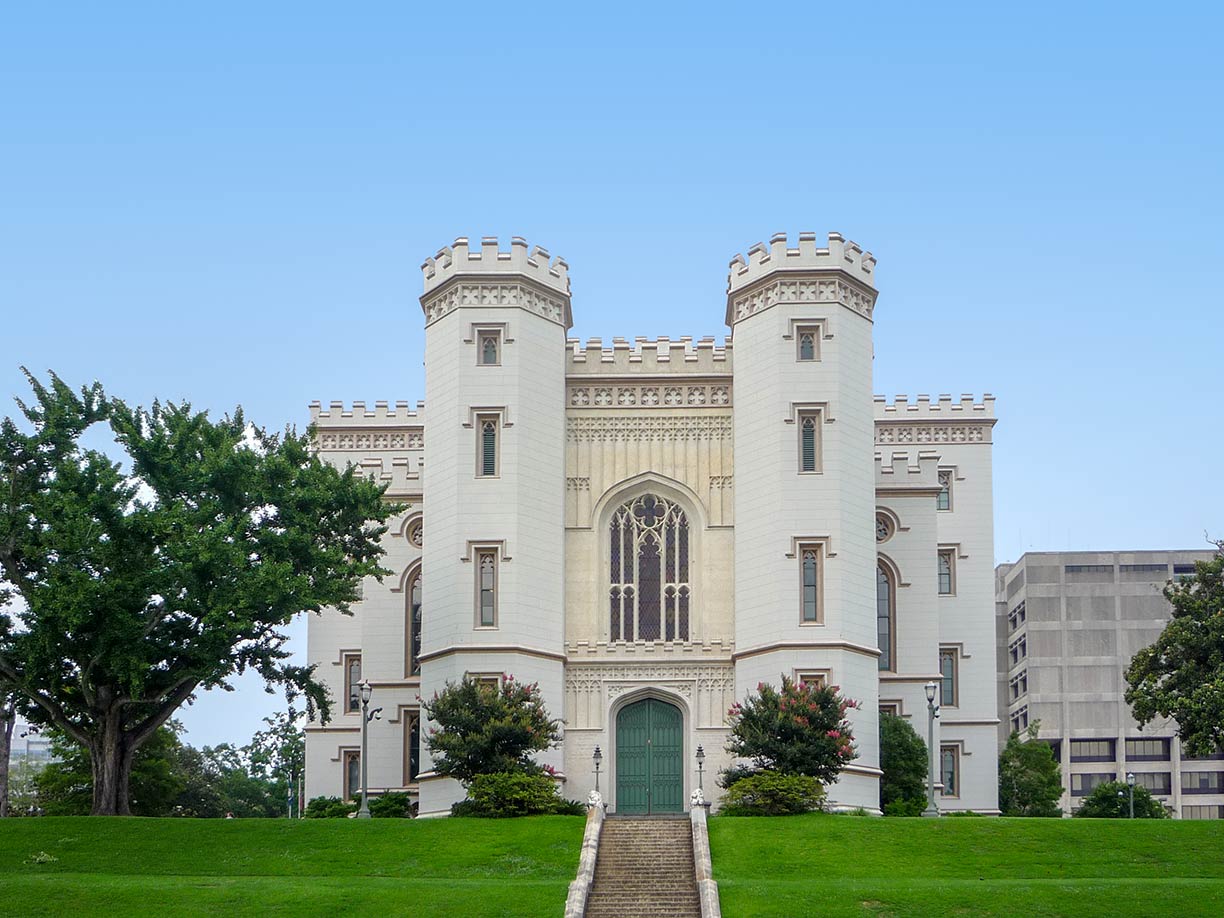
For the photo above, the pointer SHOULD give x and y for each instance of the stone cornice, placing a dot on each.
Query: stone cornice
(346, 439)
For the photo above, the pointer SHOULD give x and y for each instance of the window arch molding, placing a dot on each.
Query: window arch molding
(408, 584)
(610, 503)
(889, 567)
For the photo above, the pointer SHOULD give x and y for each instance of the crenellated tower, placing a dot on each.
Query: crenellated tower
(493, 555)
(805, 553)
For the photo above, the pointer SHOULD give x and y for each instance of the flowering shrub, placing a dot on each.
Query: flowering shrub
(484, 729)
(768, 793)
(800, 730)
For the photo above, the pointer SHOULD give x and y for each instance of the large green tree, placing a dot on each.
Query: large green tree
(1030, 781)
(1182, 674)
(904, 761)
(141, 584)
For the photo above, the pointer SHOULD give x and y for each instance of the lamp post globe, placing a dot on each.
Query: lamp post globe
(1130, 785)
(932, 712)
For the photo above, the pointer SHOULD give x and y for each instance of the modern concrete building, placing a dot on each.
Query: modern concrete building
(648, 530)
(1068, 624)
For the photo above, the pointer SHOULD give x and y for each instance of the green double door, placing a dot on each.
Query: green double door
(649, 758)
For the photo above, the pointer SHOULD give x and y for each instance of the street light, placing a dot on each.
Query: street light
(1130, 784)
(366, 716)
(701, 770)
(598, 758)
(932, 713)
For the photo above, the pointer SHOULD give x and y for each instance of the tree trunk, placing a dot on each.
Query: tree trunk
(110, 757)
(8, 719)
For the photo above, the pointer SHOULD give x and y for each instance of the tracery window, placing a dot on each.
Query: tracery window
(486, 588)
(884, 616)
(414, 626)
(488, 349)
(650, 590)
(943, 501)
(811, 585)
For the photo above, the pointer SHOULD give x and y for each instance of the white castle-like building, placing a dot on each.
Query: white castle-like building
(650, 529)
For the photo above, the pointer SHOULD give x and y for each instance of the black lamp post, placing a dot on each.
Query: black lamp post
(701, 770)
(597, 757)
(932, 713)
(367, 715)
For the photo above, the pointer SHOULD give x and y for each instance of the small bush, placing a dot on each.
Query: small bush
(769, 793)
(328, 808)
(396, 805)
(966, 813)
(504, 794)
(730, 775)
(905, 807)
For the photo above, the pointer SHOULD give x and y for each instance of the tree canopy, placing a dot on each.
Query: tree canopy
(128, 588)
(1182, 674)
(1030, 782)
(801, 729)
(904, 761)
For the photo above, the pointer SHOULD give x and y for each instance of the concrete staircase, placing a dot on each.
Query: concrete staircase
(644, 869)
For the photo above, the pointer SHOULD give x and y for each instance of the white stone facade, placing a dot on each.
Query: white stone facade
(647, 514)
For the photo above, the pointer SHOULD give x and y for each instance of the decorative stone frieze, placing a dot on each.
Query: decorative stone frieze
(648, 427)
(946, 432)
(651, 395)
(803, 290)
(346, 440)
(708, 688)
(494, 293)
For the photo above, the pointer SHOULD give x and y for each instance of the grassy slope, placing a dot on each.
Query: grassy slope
(135, 867)
(836, 866)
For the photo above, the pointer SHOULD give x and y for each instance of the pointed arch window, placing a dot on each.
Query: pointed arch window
(650, 591)
(413, 655)
(886, 617)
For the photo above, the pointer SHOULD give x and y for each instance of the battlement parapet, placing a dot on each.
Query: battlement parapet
(649, 356)
(337, 414)
(839, 255)
(917, 469)
(458, 260)
(943, 408)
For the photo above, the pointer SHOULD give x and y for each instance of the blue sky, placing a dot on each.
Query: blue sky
(229, 203)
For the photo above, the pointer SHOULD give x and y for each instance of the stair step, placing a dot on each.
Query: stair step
(644, 869)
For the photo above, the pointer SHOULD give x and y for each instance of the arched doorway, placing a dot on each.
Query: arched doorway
(649, 757)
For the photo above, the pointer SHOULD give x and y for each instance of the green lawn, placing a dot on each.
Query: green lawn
(125, 868)
(838, 866)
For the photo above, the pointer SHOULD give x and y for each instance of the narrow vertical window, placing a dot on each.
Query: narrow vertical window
(412, 752)
(947, 674)
(414, 626)
(808, 446)
(486, 572)
(486, 463)
(807, 344)
(490, 349)
(944, 500)
(352, 774)
(884, 616)
(352, 682)
(950, 771)
(946, 580)
(811, 582)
